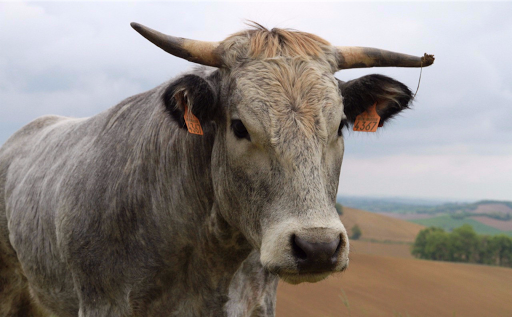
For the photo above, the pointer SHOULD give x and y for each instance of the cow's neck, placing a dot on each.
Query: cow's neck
(210, 268)
(210, 248)
(220, 253)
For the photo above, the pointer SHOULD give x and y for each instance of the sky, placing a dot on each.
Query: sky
(80, 58)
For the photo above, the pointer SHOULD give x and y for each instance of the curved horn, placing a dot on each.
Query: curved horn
(200, 52)
(360, 57)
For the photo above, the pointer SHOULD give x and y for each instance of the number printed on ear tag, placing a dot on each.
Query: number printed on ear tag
(193, 124)
(367, 121)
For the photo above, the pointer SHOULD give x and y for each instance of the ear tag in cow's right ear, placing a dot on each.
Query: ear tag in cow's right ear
(368, 121)
(193, 124)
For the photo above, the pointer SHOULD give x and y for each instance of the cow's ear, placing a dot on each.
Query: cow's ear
(197, 93)
(359, 94)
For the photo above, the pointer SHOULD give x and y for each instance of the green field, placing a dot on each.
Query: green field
(448, 223)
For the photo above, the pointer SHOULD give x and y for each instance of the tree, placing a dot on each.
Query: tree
(487, 251)
(356, 232)
(438, 246)
(420, 244)
(339, 209)
(502, 245)
(464, 244)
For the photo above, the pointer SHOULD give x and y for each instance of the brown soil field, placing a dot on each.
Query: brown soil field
(493, 208)
(406, 216)
(384, 280)
(387, 286)
(379, 227)
(498, 224)
(397, 250)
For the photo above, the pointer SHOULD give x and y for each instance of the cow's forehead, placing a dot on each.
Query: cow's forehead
(260, 43)
(288, 97)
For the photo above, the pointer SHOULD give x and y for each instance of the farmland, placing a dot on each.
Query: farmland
(384, 280)
(378, 227)
(449, 223)
(487, 217)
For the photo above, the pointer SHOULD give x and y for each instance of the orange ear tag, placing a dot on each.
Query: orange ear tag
(367, 121)
(193, 124)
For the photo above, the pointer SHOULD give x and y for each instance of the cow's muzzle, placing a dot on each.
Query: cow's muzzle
(305, 254)
(315, 257)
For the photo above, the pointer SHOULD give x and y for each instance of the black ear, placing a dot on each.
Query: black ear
(359, 94)
(197, 93)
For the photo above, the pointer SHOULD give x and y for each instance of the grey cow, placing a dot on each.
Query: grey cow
(126, 213)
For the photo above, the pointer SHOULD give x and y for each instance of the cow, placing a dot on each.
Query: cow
(194, 198)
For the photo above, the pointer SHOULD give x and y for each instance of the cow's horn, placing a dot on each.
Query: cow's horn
(200, 52)
(360, 57)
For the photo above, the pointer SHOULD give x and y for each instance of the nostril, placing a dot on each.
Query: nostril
(316, 256)
(341, 243)
(298, 252)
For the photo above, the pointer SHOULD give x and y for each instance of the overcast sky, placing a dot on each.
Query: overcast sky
(77, 59)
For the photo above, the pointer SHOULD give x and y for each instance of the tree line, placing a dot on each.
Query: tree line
(463, 244)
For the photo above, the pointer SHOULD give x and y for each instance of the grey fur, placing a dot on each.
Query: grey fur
(127, 214)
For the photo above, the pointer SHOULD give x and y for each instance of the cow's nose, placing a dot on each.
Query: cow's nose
(316, 256)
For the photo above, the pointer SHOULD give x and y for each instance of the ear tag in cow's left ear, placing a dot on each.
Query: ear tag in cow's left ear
(193, 124)
(368, 121)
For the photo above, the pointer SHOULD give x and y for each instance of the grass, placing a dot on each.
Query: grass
(449, 223)
(344, 300)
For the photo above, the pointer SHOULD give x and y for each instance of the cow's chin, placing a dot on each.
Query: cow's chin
(294, 279)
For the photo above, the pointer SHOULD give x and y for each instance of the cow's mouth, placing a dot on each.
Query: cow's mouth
(294, 277)
(297, 278)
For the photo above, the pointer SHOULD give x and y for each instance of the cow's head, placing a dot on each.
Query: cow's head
(280, 114)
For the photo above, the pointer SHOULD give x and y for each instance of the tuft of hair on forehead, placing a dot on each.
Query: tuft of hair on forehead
(264, 43)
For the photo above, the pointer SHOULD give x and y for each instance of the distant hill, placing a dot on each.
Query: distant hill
(399, 205)
(485, 216)
(379, 227)
(481, 225)
(490, 208)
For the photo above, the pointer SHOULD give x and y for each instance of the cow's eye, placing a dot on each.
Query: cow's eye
(239, 130)
(343, 124)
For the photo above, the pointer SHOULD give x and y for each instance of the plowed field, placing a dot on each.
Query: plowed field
(387, 286)
(379, 227)
(384, 280)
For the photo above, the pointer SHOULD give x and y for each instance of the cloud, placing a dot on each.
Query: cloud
(450, 176)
